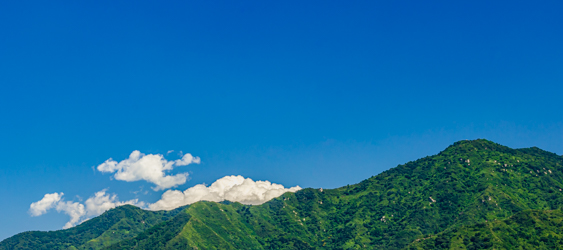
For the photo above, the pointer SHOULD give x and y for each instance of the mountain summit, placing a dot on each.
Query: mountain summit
(439, 201)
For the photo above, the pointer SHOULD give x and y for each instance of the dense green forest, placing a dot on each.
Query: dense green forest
(530, 229)
(473, 195)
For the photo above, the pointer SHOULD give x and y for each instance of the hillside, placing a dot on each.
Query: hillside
(531, 229)
(455, 191)
(117, 224)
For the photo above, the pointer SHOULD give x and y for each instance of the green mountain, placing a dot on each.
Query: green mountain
(114, 225)
(459, 198)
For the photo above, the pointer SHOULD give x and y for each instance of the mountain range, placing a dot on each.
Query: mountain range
(475, 194)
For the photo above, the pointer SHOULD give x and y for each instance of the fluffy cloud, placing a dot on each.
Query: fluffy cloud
(73, 209)
(102, 202)
(49, 201)
(187, 159)
(232, 188)
(77, 211)
(150, 168)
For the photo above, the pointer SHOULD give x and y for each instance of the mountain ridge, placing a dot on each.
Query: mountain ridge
(468, 183)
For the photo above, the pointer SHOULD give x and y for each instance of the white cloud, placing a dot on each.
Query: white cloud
(78, 212)
(232, 188)
(73, 209)
(149, 168)
(102, 202)
(49, 201)
(187, 159)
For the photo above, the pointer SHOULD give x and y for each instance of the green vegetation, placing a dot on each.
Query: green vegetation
(531, 229)
(474, 194)
(158, 236)
(117, 224)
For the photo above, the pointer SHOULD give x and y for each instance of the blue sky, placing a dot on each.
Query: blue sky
(315, 94)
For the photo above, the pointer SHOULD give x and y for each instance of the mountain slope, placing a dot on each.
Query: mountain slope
(159, 236)
(206, 225)
(467, 184)
(530, 229)
(120, 223)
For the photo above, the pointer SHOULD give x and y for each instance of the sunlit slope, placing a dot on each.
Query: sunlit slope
(469, 182)
(206, 225)
(120, 223)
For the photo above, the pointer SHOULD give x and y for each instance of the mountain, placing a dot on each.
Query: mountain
(114, 225)
(440, 201)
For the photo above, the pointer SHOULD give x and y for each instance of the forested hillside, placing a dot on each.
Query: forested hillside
(117, 224)
(448, 200)
(531, 229)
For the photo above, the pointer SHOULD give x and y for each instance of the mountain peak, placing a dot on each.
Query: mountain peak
(476, 144)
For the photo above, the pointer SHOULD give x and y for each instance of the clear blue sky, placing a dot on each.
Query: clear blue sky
(314, 93)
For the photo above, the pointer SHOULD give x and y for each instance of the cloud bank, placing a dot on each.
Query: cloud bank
(150, 168)
(232, 188)
(77, 211)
